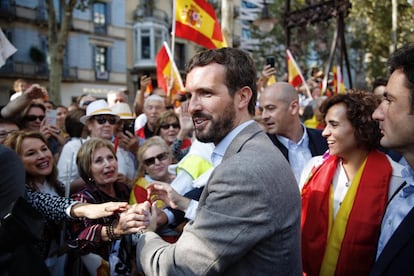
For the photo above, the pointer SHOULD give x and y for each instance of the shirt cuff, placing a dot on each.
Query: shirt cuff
(69, 208)
(170, 216)
(191, 210)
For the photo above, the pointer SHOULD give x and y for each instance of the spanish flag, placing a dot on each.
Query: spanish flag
(167, 72)
(338, 80)
(295, 77)
(196, 20)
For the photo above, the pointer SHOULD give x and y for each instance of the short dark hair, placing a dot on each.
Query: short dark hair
(403, 58)
(240, 69)
(359, 108)
(378, 82)
(73, 125)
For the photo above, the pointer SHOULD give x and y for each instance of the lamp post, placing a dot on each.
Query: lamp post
(265, 23)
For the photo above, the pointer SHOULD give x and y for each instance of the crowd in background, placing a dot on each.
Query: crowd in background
(102, 150)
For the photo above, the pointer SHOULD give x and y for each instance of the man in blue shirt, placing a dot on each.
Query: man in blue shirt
(395, 253)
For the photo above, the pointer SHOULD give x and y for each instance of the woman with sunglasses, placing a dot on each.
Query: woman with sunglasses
(101, 122)
(154, 158)
(168, 127)
(33, 118)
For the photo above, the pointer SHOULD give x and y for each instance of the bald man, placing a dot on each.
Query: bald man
(279, 104)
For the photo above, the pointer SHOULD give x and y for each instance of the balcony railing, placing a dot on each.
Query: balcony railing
(31, 70)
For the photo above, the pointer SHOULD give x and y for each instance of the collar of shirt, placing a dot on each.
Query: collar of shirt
(289, 144)
(408, 174)
(221, 147)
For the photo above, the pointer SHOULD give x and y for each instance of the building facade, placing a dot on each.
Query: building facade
(110, 44)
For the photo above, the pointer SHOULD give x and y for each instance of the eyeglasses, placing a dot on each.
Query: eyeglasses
(102, 120)
(160, 157)
(32, 118)
(6, 133)
(167, 126)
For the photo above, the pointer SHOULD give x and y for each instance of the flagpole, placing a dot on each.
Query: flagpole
(171, 80)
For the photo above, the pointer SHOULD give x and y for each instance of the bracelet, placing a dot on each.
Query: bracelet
(110, 232)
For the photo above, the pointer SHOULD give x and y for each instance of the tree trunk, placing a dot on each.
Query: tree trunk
(58, 33)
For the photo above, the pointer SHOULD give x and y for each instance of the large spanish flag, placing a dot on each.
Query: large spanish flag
(196, 20)
(168, 71)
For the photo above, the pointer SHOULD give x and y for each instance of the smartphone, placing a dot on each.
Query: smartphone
(270, 60)
(130, 126)
(51, 117)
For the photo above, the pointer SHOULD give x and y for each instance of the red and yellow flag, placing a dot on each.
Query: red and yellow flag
(167, 72)
(295, 77)
(338, 80)
(294, 74)
(196, 20)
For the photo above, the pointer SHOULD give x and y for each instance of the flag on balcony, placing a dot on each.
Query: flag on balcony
(6, 48)
(295, 76)
(338, 80)
(167, 72)
(196, 20)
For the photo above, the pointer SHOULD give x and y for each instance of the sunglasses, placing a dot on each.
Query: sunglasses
(32, 118)
(167, 126)
(160, 157)
(102, 120)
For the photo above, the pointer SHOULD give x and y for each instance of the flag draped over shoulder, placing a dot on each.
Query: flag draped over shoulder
(196, 20)
(168, 71)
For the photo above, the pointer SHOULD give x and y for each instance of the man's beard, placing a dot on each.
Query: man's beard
(218, 128)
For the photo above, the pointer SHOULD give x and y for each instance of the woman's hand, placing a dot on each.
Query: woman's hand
(95, 211)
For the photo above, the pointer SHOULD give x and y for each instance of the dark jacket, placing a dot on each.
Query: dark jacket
(397, 257)
(317, 143)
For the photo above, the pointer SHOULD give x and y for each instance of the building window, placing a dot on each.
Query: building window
(179, 56)
(100, 17)
(101, 63)
(148, 38)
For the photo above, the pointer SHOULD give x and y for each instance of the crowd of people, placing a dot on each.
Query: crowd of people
(236, 180)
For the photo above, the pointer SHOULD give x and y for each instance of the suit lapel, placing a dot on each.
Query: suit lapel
(245, 135)
(400, 237)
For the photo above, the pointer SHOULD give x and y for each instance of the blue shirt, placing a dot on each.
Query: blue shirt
(299, 153)
(221, 147)
(398, 208)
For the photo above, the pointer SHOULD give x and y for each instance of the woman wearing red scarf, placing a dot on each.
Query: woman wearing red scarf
(345, 191)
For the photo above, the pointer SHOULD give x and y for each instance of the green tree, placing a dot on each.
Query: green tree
(369, 32)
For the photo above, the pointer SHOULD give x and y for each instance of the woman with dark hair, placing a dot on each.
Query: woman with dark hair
(168, 127)
(345, 191)
(33, 118)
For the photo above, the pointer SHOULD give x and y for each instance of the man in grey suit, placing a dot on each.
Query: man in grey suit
(248, 218)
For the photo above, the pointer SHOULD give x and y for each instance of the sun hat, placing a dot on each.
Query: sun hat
(98, 107)
(123, 111)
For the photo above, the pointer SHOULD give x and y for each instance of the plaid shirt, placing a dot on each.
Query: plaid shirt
(86, 233)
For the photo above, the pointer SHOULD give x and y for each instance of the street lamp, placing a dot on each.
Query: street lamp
(265, 23)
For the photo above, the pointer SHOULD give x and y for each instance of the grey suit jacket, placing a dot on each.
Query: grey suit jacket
(247, 223)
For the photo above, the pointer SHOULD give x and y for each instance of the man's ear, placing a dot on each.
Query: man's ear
(244, 95)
